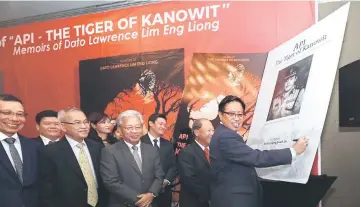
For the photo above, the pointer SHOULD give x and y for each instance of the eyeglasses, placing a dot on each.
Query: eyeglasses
(78, 123)
(7, 114)
(234, 115)
(131, 128)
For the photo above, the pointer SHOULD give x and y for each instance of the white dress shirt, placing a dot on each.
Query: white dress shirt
(76, 151)
(153, 138)
(131, 150)
(17, 145)
(47, 140)
(201, 145)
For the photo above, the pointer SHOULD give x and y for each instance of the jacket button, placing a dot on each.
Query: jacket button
(85, 189)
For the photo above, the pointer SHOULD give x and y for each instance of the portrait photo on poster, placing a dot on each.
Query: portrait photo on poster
(290, 87)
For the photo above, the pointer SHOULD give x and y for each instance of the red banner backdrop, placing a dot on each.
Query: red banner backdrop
(40, 61)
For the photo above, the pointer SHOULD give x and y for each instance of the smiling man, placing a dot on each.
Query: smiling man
(234, 181)
(131, 170)
(69, 169)
(157, 124)
(48, 126)
(18, 157)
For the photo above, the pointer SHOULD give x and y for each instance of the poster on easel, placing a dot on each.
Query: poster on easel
(295, 93)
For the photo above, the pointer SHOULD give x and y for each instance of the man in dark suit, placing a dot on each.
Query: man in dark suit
(131, 170)
(157, 123)
(18, 157)
(69, 169)
(48, 126)
(193, 165)
(234, 181)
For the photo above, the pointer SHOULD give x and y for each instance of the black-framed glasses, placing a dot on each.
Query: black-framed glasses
(78, 123)
(8, 113)
(233, 115)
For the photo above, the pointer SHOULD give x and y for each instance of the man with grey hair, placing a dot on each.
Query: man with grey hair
(131, 170)
(69, 169)
(193, 164)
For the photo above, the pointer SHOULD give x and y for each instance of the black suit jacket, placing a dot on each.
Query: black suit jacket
(12, 192)
(167, 157)
(38, 140)
(169, 165)
(234, 180)
(61, 180)
(194, 175)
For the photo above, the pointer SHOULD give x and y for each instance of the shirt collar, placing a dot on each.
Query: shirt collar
(130, 145)
(153, 138)
(72, 142)
(47, 140)
(4, 136)
(201, 145)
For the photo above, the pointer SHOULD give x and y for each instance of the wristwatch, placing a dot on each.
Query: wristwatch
(153, 195)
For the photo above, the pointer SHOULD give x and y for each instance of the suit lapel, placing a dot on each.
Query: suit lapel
(128, 155)
(40, 140)
(163, 148)
(145, 162)
(146, 139)
(27, 159)
(69, 156)
(200, 153)
(5, 161)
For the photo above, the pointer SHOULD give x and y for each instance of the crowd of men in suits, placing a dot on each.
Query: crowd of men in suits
(136, 170)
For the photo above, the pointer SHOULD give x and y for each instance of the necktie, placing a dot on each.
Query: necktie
(156, 143)
(88, 176)
(206, 152)
(16, 158)
(136, 157)
(51, 142)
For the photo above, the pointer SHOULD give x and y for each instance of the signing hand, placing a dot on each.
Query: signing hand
(301, 145)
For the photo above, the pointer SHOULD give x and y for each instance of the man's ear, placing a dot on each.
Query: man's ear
(196, 132)
(37, 127)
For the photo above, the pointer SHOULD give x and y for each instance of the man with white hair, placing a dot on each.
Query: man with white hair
(131, 170)
(69, 169)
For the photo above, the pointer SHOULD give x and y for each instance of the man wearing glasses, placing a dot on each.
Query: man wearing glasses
(131, 170)
(234, 181)
(69, 169)
(18, 157)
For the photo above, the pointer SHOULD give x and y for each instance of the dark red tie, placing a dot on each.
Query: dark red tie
(206, 152)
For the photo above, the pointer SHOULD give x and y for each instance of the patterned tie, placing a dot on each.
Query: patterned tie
(136, 157)
(16, 158)
(88, 175)
(206, 152)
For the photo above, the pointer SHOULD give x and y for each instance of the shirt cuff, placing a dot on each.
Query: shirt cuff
(165, 180)
(294, 154)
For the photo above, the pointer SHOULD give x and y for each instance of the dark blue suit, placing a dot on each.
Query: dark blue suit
(234, 181)
(12, 192)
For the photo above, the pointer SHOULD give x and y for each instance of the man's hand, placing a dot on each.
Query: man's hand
(165, 183)
(145, 200)
(301, 145)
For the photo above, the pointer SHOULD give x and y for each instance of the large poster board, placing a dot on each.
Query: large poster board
(295, 94)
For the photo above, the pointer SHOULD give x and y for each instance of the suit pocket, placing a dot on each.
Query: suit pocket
(241, 189)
